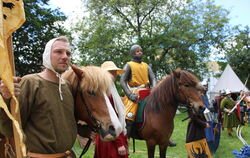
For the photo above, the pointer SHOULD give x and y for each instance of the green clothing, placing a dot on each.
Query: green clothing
(231, 120)
(47, 121)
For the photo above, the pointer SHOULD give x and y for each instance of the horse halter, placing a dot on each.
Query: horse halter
(176, 82)
(96, 123)
(187, 103)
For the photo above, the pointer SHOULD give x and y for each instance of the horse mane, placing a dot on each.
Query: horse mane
(95, 79)
(165, 92)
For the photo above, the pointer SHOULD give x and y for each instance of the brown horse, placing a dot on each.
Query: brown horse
(160, 109)
(91, 86)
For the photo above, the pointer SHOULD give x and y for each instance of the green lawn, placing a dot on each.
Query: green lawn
(227, 144)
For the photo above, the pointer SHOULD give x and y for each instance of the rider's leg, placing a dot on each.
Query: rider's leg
(129, 125)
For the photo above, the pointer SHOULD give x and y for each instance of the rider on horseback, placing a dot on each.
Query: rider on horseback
(138, 75)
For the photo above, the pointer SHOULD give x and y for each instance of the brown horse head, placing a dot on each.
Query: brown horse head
(178, 87)
(189, 90)
(91, 86)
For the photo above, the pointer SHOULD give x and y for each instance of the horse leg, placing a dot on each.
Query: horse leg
(151, 149)
(163, 151)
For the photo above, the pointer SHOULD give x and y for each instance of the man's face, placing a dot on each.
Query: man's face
(138, 54)
(60, 56)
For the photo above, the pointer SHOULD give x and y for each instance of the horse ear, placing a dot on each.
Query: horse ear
(79, 73)
(176, 73)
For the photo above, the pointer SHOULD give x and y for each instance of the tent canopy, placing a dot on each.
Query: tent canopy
(229, 80)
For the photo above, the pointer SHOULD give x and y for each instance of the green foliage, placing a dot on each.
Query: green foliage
(172, 34)
(238, 53)
(41, 25)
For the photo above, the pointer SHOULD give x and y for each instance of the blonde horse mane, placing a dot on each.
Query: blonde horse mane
(94, 79)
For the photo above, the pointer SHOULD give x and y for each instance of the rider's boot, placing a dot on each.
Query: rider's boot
(129, 125)
(171, 144)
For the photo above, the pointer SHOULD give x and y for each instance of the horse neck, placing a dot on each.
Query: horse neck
(164, 97)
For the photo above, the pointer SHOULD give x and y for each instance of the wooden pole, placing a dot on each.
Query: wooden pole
(15, 114)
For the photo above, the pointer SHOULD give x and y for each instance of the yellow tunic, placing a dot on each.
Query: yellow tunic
(139, 76)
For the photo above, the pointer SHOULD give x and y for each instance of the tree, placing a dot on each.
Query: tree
(42, 24)
(172, 34)
(238, 53)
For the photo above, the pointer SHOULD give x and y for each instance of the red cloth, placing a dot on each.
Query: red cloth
(110, 149)
(143, 93)
(238, 112)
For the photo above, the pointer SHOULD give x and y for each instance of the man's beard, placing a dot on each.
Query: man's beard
(137, 58)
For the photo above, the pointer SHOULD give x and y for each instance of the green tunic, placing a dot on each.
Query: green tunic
(48, 122)
(232, 120)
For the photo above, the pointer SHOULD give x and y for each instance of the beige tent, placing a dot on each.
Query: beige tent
(229, 80)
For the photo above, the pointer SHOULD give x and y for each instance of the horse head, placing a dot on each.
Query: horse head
(91, 86)
(189, 90)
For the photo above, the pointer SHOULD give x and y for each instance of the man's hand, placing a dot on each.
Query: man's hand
(133, 97)
(122, 150)
(93, 135)
(5, 91)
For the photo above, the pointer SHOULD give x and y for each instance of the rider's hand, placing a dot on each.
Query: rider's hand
(122, 150)
(133, 97)
(5, 91)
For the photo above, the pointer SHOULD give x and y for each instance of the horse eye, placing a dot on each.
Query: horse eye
(92, 93)
(186, 85)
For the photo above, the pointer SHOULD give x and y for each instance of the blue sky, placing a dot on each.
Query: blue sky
(239, 11)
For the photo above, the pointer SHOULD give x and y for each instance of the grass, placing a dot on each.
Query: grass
(226, 146)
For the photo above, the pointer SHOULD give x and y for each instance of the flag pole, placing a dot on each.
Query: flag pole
(15, 114)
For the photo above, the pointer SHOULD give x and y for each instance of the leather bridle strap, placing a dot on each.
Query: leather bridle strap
(95, 126)
(85, 149)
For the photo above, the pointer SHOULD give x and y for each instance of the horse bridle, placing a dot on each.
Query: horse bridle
(176, 81)
(188, 105)
(96, 124)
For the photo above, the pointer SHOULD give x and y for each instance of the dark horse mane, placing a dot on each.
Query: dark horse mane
(165, 93)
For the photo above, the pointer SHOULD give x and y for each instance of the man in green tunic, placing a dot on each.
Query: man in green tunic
(230, 119)
(46, 105)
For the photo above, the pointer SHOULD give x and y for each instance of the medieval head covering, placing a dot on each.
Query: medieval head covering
(132, 52)
(47, 62)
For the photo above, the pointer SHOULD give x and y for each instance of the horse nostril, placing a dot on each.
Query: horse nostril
(112, 130)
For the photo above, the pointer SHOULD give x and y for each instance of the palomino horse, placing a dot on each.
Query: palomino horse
(90, 88)
(160, 109)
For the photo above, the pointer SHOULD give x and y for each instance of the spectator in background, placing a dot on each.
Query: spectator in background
(204, 94)
(117, 148)
(243, 107)
(230, 119)
(196, 135)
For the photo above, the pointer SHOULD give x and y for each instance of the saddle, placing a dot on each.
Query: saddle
(140, 115)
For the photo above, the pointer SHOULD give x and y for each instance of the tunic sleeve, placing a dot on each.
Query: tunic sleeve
(25, 102)
(119, 141)
(198, 120)
(223, 103)
(26, 98)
